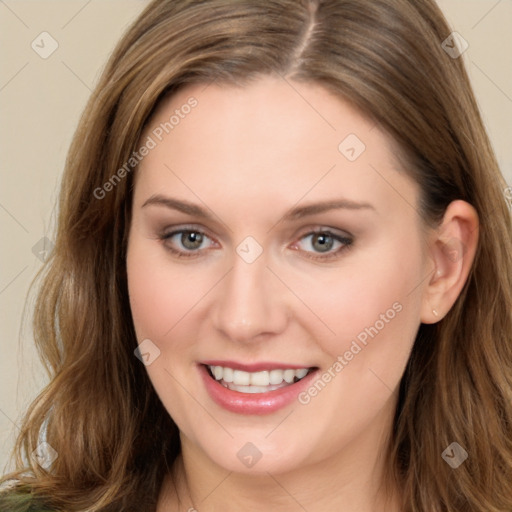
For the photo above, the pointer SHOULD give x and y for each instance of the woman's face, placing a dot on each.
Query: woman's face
(274, 236)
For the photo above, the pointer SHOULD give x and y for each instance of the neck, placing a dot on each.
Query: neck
(349, 480)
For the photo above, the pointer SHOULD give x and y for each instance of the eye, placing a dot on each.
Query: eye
(186, 242)
(323, 244)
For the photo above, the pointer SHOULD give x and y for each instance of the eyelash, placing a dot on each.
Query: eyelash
(346, 241)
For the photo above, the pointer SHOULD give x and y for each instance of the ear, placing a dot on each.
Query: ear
(451, 248)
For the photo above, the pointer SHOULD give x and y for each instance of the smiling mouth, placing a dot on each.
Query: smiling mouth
(256, 382)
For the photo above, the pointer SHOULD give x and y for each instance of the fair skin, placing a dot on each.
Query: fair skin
(248, 156)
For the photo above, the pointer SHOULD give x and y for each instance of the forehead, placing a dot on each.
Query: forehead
(273, 114)
(274, 138)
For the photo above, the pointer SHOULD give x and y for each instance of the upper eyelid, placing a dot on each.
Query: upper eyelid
(319, 228)
(309, 230)
(184, 228)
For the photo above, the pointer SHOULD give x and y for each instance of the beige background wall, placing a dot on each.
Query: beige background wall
(40, 103)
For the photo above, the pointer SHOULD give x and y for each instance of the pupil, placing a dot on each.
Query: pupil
(191, 240)
(322, 242)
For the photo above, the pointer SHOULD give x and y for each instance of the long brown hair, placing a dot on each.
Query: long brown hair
(114, 439)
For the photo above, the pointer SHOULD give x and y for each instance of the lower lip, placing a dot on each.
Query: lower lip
(253, 403)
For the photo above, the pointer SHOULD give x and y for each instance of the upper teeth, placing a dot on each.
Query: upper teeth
(264, 378)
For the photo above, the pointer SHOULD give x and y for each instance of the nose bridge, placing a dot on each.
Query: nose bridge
(249, 303)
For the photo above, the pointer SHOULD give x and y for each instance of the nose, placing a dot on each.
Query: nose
(250, 302)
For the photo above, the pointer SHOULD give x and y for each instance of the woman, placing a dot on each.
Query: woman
(282, 273)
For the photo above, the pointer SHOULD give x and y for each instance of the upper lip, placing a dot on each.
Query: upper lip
(255, 367)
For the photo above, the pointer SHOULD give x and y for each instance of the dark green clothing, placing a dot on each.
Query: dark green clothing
(20, 502)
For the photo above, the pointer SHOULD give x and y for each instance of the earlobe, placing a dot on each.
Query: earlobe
(452, 250)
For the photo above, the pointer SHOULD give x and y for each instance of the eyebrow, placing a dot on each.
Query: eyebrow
(294, 214)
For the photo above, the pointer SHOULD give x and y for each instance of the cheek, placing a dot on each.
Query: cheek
(161, 294)
(370, 310)
(375, 318)
(152, 300)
